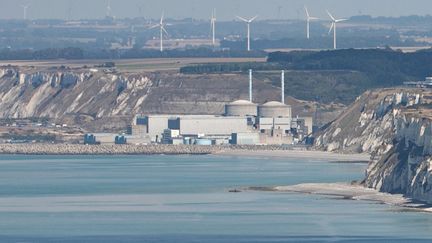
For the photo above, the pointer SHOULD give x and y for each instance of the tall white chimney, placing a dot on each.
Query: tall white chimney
(250, 86)
(283, 86)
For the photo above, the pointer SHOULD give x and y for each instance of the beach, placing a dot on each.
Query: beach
(349, 191)
(243, 151)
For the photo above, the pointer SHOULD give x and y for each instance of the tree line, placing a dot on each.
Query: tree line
(74, 53)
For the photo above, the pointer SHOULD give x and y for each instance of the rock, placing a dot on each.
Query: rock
(395, 127)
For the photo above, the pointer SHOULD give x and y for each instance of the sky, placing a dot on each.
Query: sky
(201, 9)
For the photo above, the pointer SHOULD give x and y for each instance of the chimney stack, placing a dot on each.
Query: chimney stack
(283, 86)
(250, 86)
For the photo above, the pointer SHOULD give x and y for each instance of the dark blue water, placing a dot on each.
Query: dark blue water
(186, 199)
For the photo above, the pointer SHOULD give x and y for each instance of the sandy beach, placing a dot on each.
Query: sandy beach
(300, 154)
(350, 192)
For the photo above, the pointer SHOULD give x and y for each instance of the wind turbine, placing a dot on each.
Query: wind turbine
(308, 20)
(25, 8)
(161, 25)
(333, 27)
(108, 9)
(248, 22)
(213, 26)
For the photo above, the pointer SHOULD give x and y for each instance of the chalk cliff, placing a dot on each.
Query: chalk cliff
(395, 127)
(86, 96)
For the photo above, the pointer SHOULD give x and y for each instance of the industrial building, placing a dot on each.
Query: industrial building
(274, 109)
(243, 122)
(245, 138)
(241, 108)
(212, 125)
(427, 83)
(163, 128)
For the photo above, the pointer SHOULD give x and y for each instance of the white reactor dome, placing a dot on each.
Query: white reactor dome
(274, 109)
(241, 108)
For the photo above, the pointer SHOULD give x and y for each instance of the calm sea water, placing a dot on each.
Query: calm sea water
(186, 199)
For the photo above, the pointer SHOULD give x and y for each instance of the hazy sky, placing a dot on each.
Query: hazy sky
(201, 9)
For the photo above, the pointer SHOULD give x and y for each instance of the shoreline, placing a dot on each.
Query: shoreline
(350, 191)
(79, 149)
(245, 151)
(300, 154)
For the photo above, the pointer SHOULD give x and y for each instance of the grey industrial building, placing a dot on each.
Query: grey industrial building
(243, 122)
(241, 108)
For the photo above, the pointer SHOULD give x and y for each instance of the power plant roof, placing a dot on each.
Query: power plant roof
(241, 102)
(273, 104)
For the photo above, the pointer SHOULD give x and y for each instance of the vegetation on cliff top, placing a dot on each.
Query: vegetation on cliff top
(334, 76)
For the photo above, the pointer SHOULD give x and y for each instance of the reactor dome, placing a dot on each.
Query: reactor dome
(241, 108)
(274, 109)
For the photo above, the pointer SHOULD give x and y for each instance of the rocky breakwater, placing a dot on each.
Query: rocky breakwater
(79, 149)
(66, 149)
(395, 127)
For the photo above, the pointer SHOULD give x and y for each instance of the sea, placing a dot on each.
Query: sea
(186, 199)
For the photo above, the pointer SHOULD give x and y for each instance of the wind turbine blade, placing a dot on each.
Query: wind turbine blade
(154, 26)
(313, 18)
(340, 20)
(242, 19)
(164, 30)
(307, 12)
(331, 28)
(162, 18)
(252, 19)
(331, 16)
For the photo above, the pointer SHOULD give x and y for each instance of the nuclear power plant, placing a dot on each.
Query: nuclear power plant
(243, 123)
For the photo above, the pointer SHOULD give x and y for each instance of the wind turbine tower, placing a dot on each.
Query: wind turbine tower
(213, 27)
(162, 29)
(308, 20)
(334, 28)
(108, 9)
(25, 8)
(248, 22)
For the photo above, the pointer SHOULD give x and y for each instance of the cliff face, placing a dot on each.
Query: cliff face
(56, 93)
(86, 96)
(395, 126)
(407, 167)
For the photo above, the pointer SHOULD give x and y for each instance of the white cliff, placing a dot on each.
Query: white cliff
(60, 92)
(395, 127)
(85, 95)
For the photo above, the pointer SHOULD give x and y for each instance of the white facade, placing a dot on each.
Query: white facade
(270, 123)
(245, 138)
(212, 125)
(154, 125)
(202, 125)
